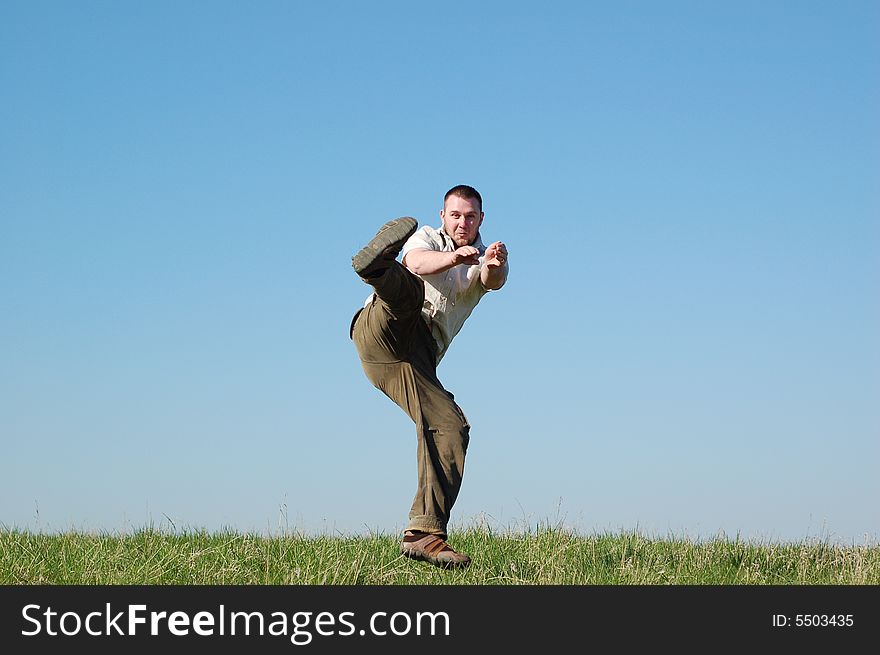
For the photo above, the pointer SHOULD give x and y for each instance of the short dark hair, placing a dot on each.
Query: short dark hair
(466, 192)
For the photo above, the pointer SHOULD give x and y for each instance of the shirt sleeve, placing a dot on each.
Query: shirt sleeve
(421, 239)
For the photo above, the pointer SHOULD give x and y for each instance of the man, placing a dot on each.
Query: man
(402, 333)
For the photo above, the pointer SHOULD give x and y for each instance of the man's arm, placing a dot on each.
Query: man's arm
(422, 261)
(494, 273)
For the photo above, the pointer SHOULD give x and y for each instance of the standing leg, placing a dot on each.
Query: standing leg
(443, 442)
(443, 435)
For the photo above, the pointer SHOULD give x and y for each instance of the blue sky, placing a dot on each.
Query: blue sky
(688, 344)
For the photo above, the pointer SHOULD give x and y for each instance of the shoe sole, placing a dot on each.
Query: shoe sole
(393, 233)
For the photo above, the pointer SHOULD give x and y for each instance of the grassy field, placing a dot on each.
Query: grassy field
(545, 556)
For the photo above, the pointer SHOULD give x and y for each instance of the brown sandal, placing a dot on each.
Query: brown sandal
(433, 549)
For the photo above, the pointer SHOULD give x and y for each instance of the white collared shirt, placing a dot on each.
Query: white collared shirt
(450, 296)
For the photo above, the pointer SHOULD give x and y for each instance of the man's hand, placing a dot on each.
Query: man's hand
(466, 255)
(494, 272)
(496, 255)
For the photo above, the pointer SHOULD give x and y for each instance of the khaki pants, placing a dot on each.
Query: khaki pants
(398, 355)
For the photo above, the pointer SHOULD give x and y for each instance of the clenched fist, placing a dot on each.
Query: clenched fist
(466, 255)
(496, 255)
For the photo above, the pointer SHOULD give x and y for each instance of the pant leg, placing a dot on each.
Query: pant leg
(384, 330)
(442, 447)
(443, 435)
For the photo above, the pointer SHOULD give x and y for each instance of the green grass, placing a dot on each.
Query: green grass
(544, 556)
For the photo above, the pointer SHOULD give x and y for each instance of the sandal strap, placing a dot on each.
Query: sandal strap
(434, 544)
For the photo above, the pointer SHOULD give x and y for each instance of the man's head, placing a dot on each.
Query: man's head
(462, 214)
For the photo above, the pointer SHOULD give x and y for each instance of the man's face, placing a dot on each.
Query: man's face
(461, 219)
